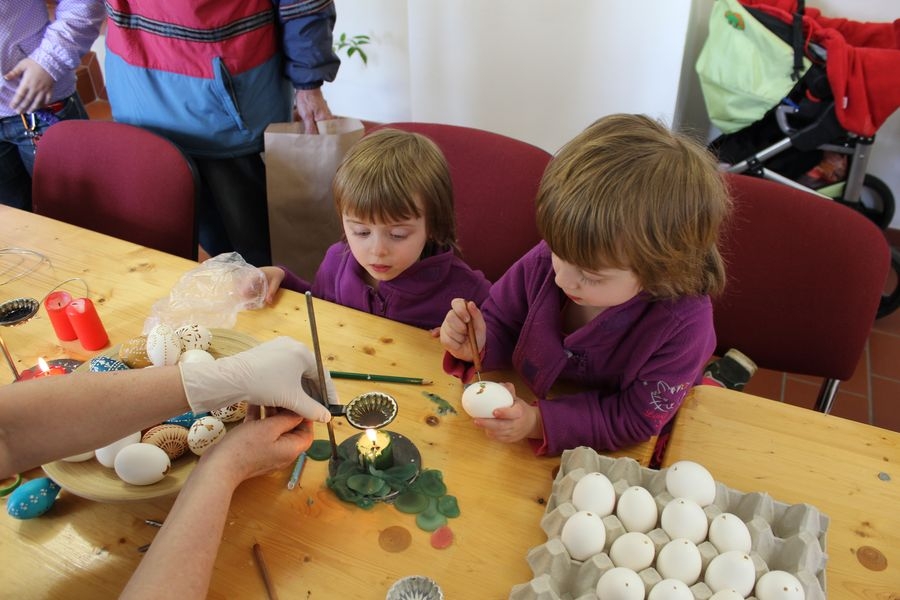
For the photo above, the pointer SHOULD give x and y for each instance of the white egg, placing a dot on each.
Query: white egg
(479, 399)
(731, 570)
(80, 457)
(670, 589)
(583, 535)
(687, 479)
(728, 532)
(683, 518)
(620, 583)
(142, 464)
(194, 336)
(726, 595)
(779, 585)
(196, 355)
(107, 454)
(633, 550)
(204, 433)
(594, 492)
(680, 559)
(637, 510)
(163, 346)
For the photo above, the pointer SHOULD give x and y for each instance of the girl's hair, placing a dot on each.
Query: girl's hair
(386, 172)
(629, 193)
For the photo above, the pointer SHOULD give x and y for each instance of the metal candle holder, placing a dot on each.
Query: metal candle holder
(12, 313)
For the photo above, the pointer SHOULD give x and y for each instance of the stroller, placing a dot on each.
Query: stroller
(799, 98)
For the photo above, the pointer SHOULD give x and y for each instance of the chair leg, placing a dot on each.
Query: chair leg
(826, 395)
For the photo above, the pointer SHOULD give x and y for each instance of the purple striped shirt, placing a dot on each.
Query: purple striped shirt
(27, 32)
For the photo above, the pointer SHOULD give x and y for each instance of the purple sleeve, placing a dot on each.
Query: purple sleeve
(69, 36)
(292, 281)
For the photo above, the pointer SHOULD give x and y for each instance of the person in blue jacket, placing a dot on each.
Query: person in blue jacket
(211, 75)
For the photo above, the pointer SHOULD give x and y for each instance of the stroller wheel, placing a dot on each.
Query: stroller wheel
(876, 201)
(890, 298)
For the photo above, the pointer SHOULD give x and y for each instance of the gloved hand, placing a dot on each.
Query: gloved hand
(281, 372)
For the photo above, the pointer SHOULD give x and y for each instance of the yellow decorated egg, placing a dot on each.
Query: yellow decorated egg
(134, 353)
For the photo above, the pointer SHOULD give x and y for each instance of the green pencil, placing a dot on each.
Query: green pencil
(384, 378)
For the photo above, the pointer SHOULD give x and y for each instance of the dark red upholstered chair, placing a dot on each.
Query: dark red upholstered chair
(120, 180)
(495, 181)
(805, 276)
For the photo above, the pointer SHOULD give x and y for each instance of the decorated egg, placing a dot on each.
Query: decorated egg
(728, 532)
(231, 413)
(134, 353)
(594, 492)
(633, 550)
(683, 518)
(194, 336)
(670, 589)
(687, 479)
(171, 438)
(481, 398)
(637, 509)
(107, 454)
(583, 535)
(142, 464)
(185, 419)
(620, 583)
(32, 498)
(80, 457)
(779, 585)
(102, 364)
(680, 559)
(163, 346)
(204, 434)
(731, 570)
(196, 355)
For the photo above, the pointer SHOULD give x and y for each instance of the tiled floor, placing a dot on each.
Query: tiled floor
(871, 396)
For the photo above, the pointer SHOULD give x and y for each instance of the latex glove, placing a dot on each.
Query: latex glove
(281, 372)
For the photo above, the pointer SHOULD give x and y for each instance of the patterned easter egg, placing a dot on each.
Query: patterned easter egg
(102, 364)
(231, 413)
(32, 498)
(185, 419)
(168, 436)
(204, 434)
(134, 352)
(163, 346)
(194, 336)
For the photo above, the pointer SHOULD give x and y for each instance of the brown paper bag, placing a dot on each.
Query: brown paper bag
(299, 170)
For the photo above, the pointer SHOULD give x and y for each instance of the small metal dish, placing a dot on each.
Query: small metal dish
(372, 410)
(415, 587)
(16, 312)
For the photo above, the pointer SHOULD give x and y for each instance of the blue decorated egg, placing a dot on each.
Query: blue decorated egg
(101, 364)
(186, 419)
(32, 498)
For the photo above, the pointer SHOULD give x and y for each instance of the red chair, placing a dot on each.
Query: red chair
(495, 181)
(805, 276)
(120, 180)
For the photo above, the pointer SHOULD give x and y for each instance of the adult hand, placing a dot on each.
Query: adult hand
(455, 333)
(281, 372)
(511, 424)
(311, 107)
(34, 89)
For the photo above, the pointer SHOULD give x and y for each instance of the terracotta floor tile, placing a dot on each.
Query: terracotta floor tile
(766, 383)
(99, 110)
(884, 350)
(886, 403)
(851, 406)
(800, 393)
(890, 323)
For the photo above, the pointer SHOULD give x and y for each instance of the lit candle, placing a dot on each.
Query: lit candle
(56, 304)
(375, 449)
(86, 323)
(43, 370)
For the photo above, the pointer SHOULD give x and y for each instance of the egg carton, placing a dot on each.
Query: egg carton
(785, 537)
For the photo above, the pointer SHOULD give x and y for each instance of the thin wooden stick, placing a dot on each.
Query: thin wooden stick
(264, 571)
(321, 369)
(473, 345)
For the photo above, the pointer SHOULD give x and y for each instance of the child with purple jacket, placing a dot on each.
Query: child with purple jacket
(615, 299)
(398, 257)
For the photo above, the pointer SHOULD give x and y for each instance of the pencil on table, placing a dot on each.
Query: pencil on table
(264, 571)
(383, 378)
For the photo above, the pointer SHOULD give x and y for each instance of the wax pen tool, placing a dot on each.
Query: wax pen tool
(321, 370)
(473, 344)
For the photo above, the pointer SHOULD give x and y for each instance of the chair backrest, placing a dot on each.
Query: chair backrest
(120, 180)
(495, 181)
(804, 279)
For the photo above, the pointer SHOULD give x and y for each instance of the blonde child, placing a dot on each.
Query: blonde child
(616, 296)
(398, 256)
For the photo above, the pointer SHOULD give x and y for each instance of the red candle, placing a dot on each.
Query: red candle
(56, 304)
(42, 370)
(87, 325)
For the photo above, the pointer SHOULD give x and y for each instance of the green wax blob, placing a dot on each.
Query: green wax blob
(319, 450)
(448, 506)
(411, 502)
(431, 483)
(430, 519)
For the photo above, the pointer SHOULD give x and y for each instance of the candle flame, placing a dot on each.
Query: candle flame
(43, 364)
(370, 433)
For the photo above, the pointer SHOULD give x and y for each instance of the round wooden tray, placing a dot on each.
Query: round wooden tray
(89, 479)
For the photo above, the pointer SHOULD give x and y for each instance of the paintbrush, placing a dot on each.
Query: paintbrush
(473, 344)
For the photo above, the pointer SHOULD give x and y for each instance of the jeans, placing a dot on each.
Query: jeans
(17, 151)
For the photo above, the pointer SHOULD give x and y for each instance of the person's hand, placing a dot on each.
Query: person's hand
(281, 372)
(511, 424)
(454, 330)
(311, 107)
(34, 89)
(256, 447)
(274, 277)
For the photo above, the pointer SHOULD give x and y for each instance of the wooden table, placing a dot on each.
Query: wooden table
(848, 470)
(316, 546)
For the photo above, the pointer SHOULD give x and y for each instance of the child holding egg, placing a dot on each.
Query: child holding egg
(614, 299)
(398, 257)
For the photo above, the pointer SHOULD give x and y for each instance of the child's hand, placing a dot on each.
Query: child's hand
(454, 329)
(274, 277)
(517, 422)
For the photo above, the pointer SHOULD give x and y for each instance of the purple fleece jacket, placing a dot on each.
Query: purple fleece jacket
(420, 296)
(637, 360)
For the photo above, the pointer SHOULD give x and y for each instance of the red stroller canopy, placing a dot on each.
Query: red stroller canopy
(863, 59)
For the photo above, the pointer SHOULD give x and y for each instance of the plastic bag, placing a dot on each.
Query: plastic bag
(211, 295)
